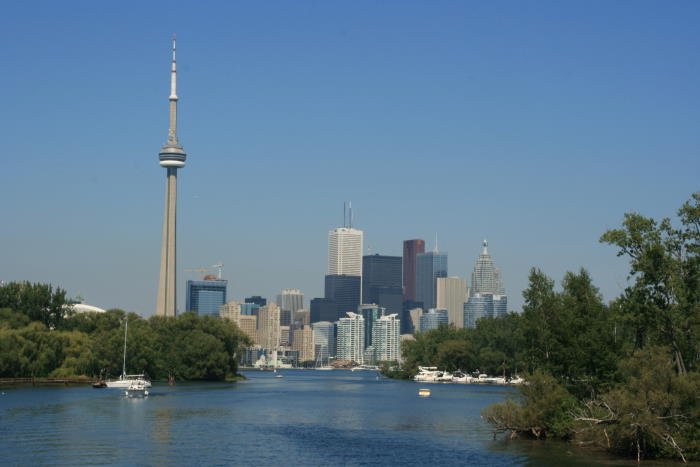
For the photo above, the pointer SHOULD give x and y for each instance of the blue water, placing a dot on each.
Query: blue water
(305, 418)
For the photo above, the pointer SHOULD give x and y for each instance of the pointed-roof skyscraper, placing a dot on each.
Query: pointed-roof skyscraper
(172, 156)
(486, 278)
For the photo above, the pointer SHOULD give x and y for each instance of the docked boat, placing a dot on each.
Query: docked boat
(124, 381)
(516, 380)
(443, 377)
(137, 388)
(426, 374)
(459, 377)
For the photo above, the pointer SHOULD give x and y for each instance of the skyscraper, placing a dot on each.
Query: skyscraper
(451, 295)
(172, 156)
(386, 338)
(323, 309)
(429, 266)
(478, 306)
(206, 296)
(411, 248)
(381, 282)
(351, 338)
(370, 313)
(433, 319)
(324, 340)
(345, 252)
(289, 301)
(256, 299)
(247, 322)
(268, 332)
(486, 277)
(344, 291)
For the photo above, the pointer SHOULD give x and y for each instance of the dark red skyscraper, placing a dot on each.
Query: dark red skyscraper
(411, 248)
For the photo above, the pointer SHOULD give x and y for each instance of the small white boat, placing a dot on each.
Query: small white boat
(424, 392)
(137, 389)
(443, 377)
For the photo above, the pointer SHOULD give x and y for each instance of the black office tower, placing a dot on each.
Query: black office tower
(345, 292)
(381, 282)
(323, 309)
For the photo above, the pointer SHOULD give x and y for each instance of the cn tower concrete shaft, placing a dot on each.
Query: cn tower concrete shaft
(167, 286)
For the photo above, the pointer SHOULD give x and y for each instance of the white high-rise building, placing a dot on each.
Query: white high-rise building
(345, 252)
(451, 295)
(386, 338)
(486, 278)
(351, 338)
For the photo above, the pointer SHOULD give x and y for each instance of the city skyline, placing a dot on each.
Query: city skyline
(543, 129)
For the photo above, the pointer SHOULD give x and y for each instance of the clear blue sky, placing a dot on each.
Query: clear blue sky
(533, 124)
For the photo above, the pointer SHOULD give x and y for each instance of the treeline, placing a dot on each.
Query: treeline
(623, 376)
(39, 337)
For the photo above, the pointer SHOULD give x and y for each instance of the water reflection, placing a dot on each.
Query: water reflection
(305, 418)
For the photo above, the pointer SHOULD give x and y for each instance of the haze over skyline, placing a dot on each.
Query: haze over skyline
(536, 126)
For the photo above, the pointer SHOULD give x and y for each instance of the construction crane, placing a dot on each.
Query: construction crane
(203, 270)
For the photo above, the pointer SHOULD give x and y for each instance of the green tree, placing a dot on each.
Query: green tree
(662, 305)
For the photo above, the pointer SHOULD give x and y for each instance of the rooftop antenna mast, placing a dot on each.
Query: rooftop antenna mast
(350, 208)
(436, 243)
(345, 215)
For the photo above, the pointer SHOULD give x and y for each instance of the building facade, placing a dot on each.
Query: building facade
(382, 281)
(429, 266)
(351, 338)
(386, 338)
(452, 295)
(248, 323)
(411, 249)
(303, 342)
(268, 330)
(345, 291)
(371, 313)
(206, 296)
(484, 306)
(289, 301)
(345, 252)
(323, 309)
(324, 340)
(433, 319)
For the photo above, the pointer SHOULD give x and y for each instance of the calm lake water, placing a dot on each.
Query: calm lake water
(305, 418)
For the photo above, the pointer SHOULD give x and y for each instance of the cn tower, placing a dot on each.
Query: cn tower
(172, 156)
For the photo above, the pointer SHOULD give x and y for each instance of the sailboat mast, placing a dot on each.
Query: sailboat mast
(126, 326)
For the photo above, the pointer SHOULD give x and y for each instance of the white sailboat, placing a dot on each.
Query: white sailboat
(125, 381)
(319, 360)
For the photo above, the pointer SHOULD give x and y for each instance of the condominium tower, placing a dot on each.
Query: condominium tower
(351, 338)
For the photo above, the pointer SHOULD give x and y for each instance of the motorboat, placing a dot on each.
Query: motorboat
(443, 377)
(426, 374)
(459, 377)
(516, 380)
(137, 388)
